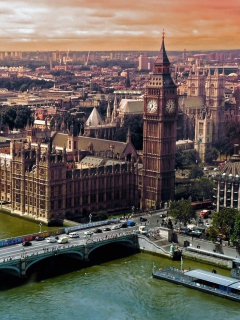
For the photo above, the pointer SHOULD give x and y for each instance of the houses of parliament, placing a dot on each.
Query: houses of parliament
(58, 174)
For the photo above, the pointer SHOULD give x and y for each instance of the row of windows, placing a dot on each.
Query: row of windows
(75, 201)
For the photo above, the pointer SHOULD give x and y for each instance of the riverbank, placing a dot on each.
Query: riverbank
(199, 250)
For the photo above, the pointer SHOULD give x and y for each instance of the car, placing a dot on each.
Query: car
(97, 230)
(124, 225)
(106, 229)
(196, 233)
(205, 169)
(39, 238)
(142, 219)
(51, 240)
(207, 224)
(88, 233)
(73, 235)
(162, 215)
(215, 169)
(184, 230)
(115, 227)
(27, 243)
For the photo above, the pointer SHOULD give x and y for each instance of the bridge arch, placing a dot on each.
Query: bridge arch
(57, 253)
(105, 243)
(13, 270)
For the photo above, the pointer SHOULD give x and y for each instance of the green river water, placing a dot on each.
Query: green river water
(118, 290)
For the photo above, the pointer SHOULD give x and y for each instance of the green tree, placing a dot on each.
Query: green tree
(211, 154)
(179, 159)
(15, 117)
(195, 172)
(235, 236)
(224, 221)
(202, 188)
(135, 123)
(102, 215)
(181, 210)
(190, 157)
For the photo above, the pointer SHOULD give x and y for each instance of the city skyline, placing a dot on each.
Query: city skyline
(127, 25)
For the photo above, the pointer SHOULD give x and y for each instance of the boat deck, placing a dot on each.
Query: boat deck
(208, 282)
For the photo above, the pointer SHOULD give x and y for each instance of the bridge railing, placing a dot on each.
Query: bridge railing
(49, 233)
(62, 247)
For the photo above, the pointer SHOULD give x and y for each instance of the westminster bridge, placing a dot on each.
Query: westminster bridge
(19, 261)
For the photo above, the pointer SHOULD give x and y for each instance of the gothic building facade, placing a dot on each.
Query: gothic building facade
(204, 111)
(55, 174)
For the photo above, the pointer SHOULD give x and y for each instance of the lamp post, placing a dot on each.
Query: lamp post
(90, 218)
(133, 210)
(40, 226)
(23, 254)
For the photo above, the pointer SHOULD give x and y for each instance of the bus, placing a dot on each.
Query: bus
(205, 204)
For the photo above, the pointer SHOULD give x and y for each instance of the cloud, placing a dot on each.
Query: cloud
(119, 25)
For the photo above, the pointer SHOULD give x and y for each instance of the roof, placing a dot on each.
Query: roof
(212, 277)
(94, 119)
(60, 140)
(131, 106)
(191, 102)
(232, 168)
(89, 161)
(162, 57)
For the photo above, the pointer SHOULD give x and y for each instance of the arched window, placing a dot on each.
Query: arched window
(192, 89)
(212, 89)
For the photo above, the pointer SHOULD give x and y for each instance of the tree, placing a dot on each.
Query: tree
(235, 236)
(195, 172)
(181, 210)
(135, 123)
(211, 154)
(15, 117)
(190, 157)
(102, 215)
(179, 159)
(202, 188)
(224, 221)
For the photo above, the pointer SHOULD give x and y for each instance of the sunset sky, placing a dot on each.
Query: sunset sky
(119, 25)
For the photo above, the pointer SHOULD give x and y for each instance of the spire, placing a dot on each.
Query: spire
(108, 111)
(115, 104)
(162, 57)
(128, 135)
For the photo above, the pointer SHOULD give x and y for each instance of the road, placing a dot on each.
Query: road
(38, 247)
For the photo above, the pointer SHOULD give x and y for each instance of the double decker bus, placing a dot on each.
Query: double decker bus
(205, 204)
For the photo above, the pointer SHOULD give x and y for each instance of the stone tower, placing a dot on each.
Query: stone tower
(159, 135)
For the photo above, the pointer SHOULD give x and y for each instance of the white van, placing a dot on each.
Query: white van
(73, 235)
(63, 240)
(142, 230)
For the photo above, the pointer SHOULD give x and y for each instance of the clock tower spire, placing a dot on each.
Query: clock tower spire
(159, 134)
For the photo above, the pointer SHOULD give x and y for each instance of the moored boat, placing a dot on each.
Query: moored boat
(209, 282)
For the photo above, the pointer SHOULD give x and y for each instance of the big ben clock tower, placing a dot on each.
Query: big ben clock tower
(159, 135)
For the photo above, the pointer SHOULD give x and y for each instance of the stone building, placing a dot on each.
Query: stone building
(59, 175)
(227, 184)
(205, 109)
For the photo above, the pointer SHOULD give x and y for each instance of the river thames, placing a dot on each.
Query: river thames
(122, 289)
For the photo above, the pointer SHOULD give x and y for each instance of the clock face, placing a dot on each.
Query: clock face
(152, 105)
(170, 106)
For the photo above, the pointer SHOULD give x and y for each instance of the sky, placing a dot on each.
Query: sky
(99, 25)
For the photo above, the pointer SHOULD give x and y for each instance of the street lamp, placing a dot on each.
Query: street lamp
(23, 254)
(40, 226)
(90, 218)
